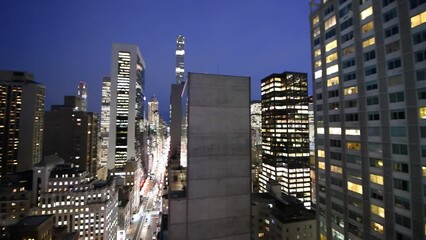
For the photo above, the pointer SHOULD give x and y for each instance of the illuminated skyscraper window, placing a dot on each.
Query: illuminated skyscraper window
(180, 55)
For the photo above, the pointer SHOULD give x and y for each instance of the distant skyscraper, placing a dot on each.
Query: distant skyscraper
(285, 134)
(21, 121)
(105, 119)
(153, 114)
(82, 92)
(72, 135)
(369, 78)
(180, 56)
(127, 99)
(256, 142)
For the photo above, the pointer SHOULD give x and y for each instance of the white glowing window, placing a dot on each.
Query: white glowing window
(331, 45)
(367, 12)
(330, 22)
(335, 130)
(332, 69)
(354, 132)
(318, 74)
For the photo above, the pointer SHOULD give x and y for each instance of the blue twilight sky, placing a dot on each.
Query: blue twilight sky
(65, 41)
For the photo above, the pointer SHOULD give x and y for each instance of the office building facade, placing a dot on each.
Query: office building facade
(127, 99)
(180, 57)
(21, 121)
(370, 116)
(105, 119)
(285, 134)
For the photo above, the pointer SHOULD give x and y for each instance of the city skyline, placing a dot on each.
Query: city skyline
(218, 41)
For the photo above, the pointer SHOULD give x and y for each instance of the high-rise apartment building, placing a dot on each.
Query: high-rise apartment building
(21, 122)
(285, 134)
(127, 99)
(369, 83)
(72, 134)
(82, 93)
(180, 57)
(105, 119)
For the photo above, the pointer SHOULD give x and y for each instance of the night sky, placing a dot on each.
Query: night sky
(65, 41)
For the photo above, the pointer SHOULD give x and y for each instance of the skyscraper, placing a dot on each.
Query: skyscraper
(285, 134)
(370, 116)
(82, 92)
(153, 114)
(256, 143)
(105, 119)
(127, 99)
(180, 56)
(21, 121)
(72, 134)
(215, 203)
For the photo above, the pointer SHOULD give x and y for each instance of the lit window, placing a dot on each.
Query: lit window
(330, 58)
(418, 19)
(335, 130)
(424, 171)
(321, 165)
(318, 63)
(315, 20)
(377, 227)
(335, 68)
(367, 12)
(355, 132)
(367, 27)
(330, 22)
(336, 169)
(355, 187)
(317, 31)
(422, 112)
(318, 74)
(376, 179)
(331, 45)
(378, 210)
(368, 42)
(321, 153)
(350, 90)
(317, 53)
(353, 145)
(332, 81)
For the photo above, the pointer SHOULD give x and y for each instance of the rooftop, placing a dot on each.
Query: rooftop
(33, 220)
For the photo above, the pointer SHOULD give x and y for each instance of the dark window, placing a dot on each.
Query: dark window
(329, 10)
(373, 116)
(369, 55)
(349, 76)
(372, 100)
(317, 41)
(400, 149)
(319, 96)
(397, 114)
(421, 74)
(330, 33)
(403, 220)
(351, 117)
(333, 106)
(394, 63)
(349, 63)
(334, 118)
(420, 56)
(370, 70)
(348, 36)
(402, 202)
(392, 47)
(391, 31)
(345, 10)
(391, 14)
(386, 2)
(376, 194)
(335, 143)
(371, 85)
(333, 93)
(350, 103)
(419, 37)
(416, 3)
(319, 107)
(336, 156)
(346, 24)
(423, 132)
(396, 97)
